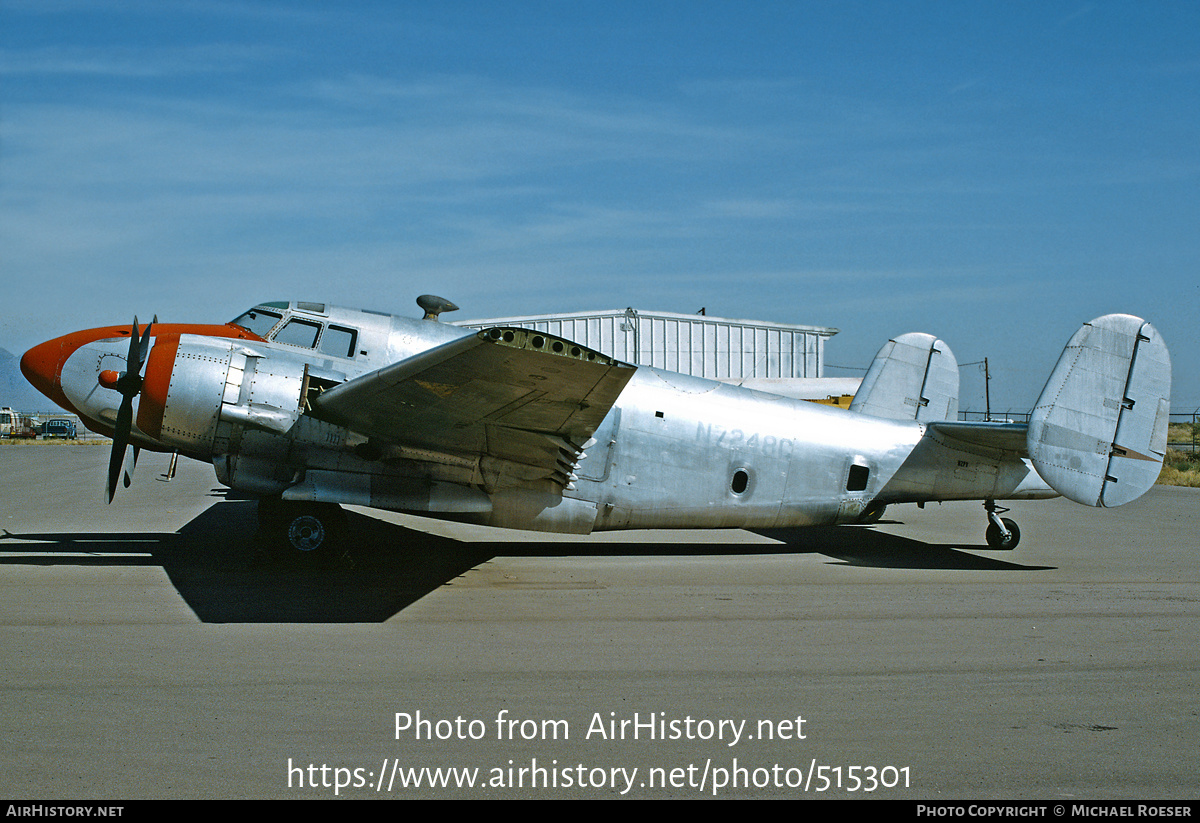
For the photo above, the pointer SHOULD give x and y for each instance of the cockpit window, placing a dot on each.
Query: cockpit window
(258, 321)
(338, 341)
(299, 333)
(335, 341)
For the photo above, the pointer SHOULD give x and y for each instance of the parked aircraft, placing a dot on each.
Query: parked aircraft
(308, 407)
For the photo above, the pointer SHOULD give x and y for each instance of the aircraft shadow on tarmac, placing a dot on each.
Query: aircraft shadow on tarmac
(864, 546)
(217, 564)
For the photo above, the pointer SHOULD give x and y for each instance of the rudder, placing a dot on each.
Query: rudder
(1098, 433)
(913, 377)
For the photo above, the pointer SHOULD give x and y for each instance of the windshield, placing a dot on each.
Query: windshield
(258, 321)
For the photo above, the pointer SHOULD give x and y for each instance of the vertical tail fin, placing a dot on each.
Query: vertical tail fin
(1098, 433)
(913, 377)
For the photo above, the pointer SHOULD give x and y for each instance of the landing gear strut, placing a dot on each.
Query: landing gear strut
(1002, 533)
(301, 532)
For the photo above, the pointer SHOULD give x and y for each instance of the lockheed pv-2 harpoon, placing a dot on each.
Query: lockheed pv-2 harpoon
(307, 406)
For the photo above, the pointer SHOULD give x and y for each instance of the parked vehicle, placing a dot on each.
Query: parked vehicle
(59, 427)
(14, 424)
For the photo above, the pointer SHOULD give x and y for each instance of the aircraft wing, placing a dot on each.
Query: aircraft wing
(517, 395)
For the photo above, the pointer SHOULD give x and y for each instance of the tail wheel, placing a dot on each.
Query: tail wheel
(998, 540)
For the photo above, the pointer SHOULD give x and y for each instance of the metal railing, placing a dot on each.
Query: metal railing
(995, 416)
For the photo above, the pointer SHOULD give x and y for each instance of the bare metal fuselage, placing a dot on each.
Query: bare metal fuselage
(684, 451)
(674, 451)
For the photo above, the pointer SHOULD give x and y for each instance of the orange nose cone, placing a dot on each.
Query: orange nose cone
(42, 366)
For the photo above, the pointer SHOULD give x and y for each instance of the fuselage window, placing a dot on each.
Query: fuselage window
(258, 321)
(299, 333)
(857, 481)
(740, 482)
(338, 341)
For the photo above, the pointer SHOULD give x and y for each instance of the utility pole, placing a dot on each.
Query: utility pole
(987, 391)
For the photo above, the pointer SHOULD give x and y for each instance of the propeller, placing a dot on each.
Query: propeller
(129, 384)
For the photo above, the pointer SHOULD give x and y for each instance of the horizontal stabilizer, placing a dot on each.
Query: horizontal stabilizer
(990, 435)
(1098, 433)
(913, 377)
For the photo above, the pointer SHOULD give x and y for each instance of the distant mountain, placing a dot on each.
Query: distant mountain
(15, 390)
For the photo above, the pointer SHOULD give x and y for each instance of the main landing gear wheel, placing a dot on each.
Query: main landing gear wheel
(301, 532)
(1002, 533)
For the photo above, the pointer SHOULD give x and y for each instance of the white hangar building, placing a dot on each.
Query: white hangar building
(701, 345)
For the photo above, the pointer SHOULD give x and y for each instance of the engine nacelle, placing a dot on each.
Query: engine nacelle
(193, 383)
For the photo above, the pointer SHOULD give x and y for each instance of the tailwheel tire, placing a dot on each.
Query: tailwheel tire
(302, 533)
(996, 539)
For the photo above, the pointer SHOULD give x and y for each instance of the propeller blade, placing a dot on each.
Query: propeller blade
(135, 345)
(116, 459)
(144, 343)
(129, 385)
(130, 462)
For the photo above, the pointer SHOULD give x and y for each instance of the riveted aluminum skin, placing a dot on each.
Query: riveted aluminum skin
(690, 452)
(199, 375)
(536, 432)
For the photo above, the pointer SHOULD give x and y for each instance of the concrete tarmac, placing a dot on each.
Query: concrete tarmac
(147, 650)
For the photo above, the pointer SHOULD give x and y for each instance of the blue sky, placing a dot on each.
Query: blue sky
(993, 173)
